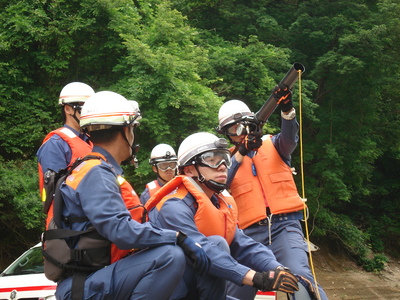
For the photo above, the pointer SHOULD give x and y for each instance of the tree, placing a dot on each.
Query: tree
(181, 59)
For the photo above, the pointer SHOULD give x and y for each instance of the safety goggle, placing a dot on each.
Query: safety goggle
(77, 106)
(215, 158)
(233, 130)
(240, 129)
(165, 165)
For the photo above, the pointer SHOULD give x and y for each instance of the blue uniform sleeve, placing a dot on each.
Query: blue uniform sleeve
(55, 154)
(232, 170)
(177, 215)
(98, 198)
(252, 254)
(145, 196)
(286, 141)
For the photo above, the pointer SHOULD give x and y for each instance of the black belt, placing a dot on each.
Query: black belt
(297, 215)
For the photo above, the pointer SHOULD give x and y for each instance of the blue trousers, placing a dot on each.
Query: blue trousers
(289, 248)
(148, 274)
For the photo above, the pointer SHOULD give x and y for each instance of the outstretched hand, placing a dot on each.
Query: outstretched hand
(283, 97)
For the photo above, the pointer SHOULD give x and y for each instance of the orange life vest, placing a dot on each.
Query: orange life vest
(128, 194)
(79, 148)
(153, 187)
(208, 219)
(273, 186)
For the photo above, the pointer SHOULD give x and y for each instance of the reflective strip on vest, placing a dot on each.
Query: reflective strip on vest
(153, 187)
(79, 148)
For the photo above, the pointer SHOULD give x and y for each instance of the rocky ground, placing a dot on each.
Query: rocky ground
(342, 278)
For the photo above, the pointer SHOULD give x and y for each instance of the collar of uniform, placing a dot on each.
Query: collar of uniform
(78, 133)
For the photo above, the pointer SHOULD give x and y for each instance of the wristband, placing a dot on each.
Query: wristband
(289, 116)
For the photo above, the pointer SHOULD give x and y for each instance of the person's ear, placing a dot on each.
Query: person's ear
(127, 130)
(154, 168)
(68, 110)
(190, 171)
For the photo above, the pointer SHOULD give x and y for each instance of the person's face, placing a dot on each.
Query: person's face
(219, 174)
(71, 112)
(166, 170)
(74, 109)
(232, 134)
(212, 165)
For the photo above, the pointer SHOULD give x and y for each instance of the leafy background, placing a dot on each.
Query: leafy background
(181, 60)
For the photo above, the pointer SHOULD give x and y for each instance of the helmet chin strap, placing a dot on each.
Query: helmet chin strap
(75, 117)
(211, 184)
(134, 147)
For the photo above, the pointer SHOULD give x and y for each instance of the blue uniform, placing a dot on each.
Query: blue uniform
(285, 234)
(148, 274)
(245, 253)
(56, 154)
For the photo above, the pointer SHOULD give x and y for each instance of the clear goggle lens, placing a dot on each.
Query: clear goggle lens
(165, 165)
(236, 129)
(215, 158)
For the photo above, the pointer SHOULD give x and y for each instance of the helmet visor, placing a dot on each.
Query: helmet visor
(165, 165)
(215, 158)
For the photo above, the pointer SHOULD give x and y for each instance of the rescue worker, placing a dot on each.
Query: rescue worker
(197, 203)
(93, 199)
(262, 184)
(164, 162)
(65, 144)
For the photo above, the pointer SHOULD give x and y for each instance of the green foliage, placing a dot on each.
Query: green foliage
(376, 264)
(19, 190)
(43, 46)
(238, 18)
(160, 71)
(355, 241)
(21, 217)
(181, 59)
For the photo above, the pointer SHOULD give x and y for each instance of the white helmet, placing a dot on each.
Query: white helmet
(199, 143)
(232, 112)
(75, 92)
(162, 152)
(206, 150)
(105, 109)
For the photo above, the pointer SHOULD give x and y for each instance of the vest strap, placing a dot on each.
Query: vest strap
(78, 285)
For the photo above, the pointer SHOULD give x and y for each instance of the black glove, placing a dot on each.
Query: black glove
(283, 96)
(250, 143)
(276, 280)
(195, 253)
(309, 287)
